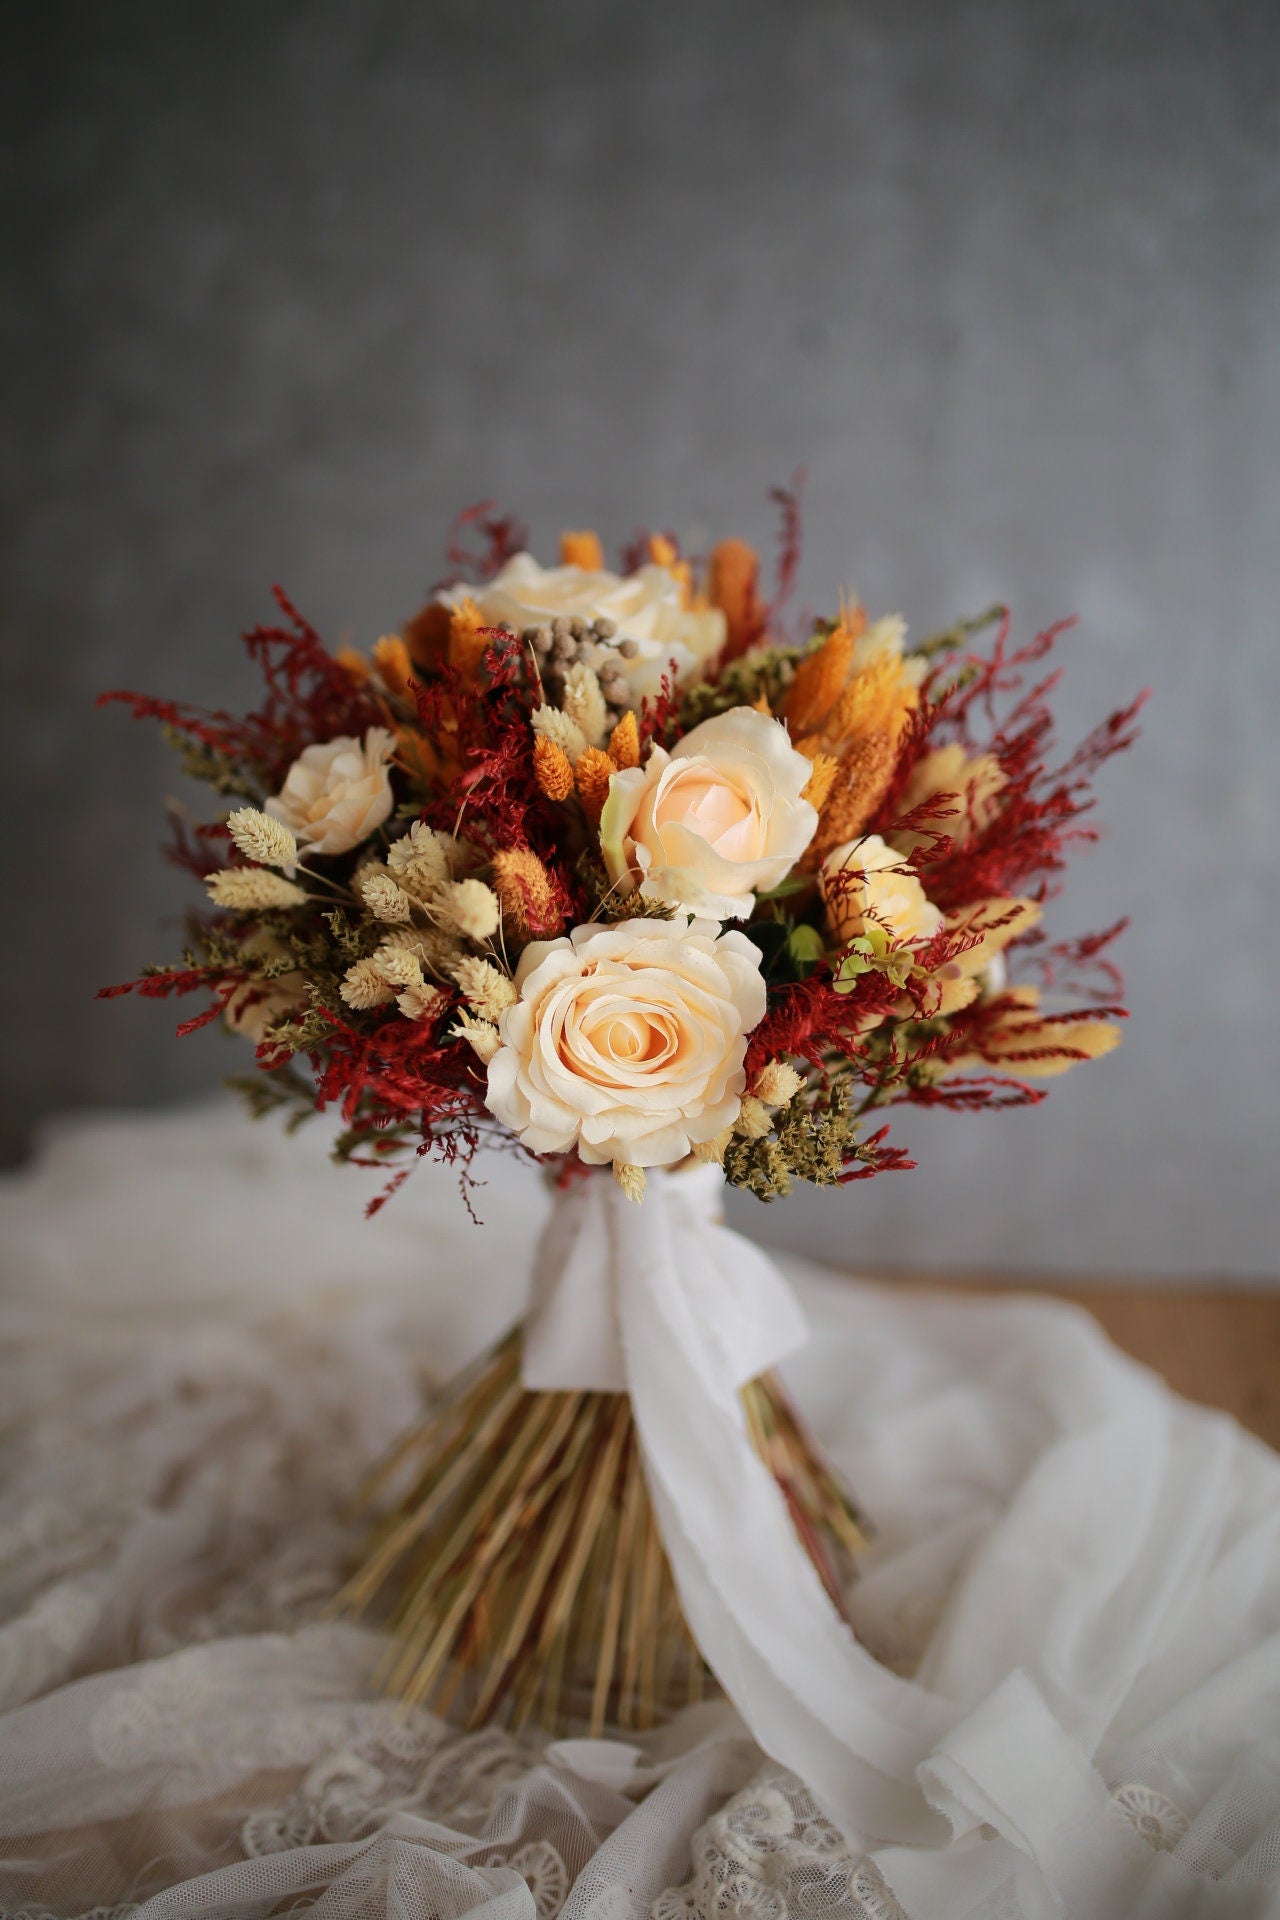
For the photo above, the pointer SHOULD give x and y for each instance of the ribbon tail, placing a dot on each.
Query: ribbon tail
(813, 1698)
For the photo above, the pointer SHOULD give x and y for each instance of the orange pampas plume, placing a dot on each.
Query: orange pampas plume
(391, 658)
(877, 700)
(820, 680)
(594, 771)
(821, 780)
(582, 549)
(468, 639)
(733, 585)
(624, 742)
(552, 768)
(427, 635)
(353, 664)
(860, 784)
(531, 907)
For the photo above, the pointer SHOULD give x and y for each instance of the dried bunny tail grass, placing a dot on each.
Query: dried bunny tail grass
(624, 742)
(582, 548)
(472, 907)
(562, 730)
(420, 860)
(594, 771)
(631, 1179)
(419, 1001)
(485, 988)
(480, 1035)
(520, 1568)
(385, 898)
(584, 702)
(777, 1083)
(754, 1118)
(531, 907)
(363, 986)
(711, 1152)
(261, 837)
(399, 966)
(552, 768)
(864, 777)
(252, 890)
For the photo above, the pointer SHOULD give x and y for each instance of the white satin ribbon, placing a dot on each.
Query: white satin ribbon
(667, 1305)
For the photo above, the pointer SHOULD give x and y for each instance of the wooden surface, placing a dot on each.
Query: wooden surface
(1218, 1345)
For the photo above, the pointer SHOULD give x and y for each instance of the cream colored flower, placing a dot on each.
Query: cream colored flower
(868, 885)
(715, 821)
(978, 785)
(628, 1041)
(337, 793)
(647, 606)
(257, 1005)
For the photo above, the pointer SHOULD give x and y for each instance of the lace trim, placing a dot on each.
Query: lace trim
(770, 1854)
(1160, 1823)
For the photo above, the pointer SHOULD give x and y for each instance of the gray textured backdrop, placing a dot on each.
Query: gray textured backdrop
(287, 284)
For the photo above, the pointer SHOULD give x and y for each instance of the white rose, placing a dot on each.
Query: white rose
(646, 606)
(868, 885)
(713, 822)
(627, 1042)
(335, 794)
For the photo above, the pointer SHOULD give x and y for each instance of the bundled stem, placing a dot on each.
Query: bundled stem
(518, 1563)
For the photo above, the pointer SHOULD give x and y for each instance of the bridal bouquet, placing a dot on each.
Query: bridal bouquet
(621, 870)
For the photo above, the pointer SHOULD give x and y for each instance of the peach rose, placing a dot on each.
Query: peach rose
(647, 607)
(627, 1042)
(714, 821)
(336, 794)
(868, 885)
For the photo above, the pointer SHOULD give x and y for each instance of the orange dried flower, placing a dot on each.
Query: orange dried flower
(353, 664)
(582, 549)
(860, 783)
(624, 742)
(819, 681)
(664, 553)
(594, 770)
(427, 635)
(531, 908)
(391, 658)
(468, 639)
(552, 768)
(733, 585)
(820, 782)
(877, 700)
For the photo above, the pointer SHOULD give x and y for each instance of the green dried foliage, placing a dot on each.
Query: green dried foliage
(807, 1143)
(765, 670)
(206, 764)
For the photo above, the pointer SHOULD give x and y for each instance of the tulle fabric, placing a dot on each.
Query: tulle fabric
(201, 1348)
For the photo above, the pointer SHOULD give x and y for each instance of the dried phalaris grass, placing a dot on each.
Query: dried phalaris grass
(518, 1564)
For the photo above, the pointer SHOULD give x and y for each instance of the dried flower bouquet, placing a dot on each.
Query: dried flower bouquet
(621, 871)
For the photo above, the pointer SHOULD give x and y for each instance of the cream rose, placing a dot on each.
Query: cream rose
(868, 885)
(646, 606)
(627, 1042)
(713, 822)
(335, 794)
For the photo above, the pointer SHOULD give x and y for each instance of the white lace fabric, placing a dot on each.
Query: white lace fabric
(202, 1346)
